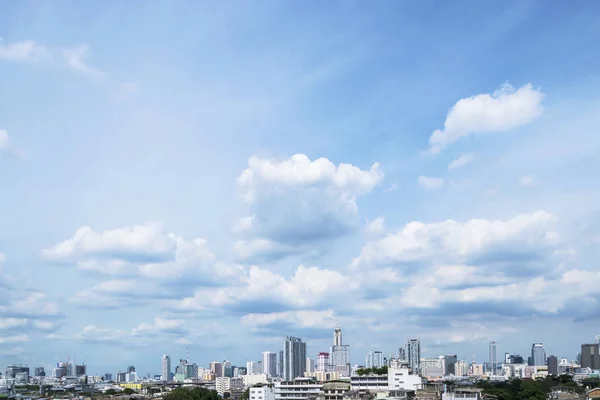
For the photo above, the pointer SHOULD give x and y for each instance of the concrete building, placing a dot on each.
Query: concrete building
(371, 382)
(414, 355)
(340, 354)
(334, 390)
(298, 389)
(323, 376)
(253, 367)
(269, 363)
(401, 379)
(262, 393)
(280, 364)
(538, 354)
(590, 355)
(254, 379)
(294, 358)
(374, 359)
(224, 384)
(432, 367)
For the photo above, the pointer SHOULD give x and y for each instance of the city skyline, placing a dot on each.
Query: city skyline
(210, 178)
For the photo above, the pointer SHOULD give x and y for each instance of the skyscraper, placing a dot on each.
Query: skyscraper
(402, 353)
(269, 363)
(166, 368)
(553, 365)
(590, 355)
(310, 365)
(450, 364)
(374, 359)
(280, 364)
(217, 369)
(294, 358)
(538, 354)
(493, 354)
(340, 354)
(414, 354)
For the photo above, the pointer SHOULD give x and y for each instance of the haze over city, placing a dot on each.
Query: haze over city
(209, 178)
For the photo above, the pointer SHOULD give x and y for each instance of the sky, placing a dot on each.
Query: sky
(214, 176)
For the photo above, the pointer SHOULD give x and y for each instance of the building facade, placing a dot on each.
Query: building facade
(294, 358)
(401, 379)
(538, 355)
(374, 359)
(414, 355)
(493, 354)
(450, 364)
(298, 389)
(269, 363)
(590, 356)
(262, 393)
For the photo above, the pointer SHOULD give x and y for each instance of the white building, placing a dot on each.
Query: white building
(298, 389)
(269, 363)
(372, 382)
(400, 379)
(166, 368)
(262, 393)
(226, 384)
(310, 365)
(254, 367)
(254, 379)
(374, 359)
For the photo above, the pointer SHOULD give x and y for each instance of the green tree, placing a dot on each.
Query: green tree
(245, 395)
(128, 391)
(110, 392)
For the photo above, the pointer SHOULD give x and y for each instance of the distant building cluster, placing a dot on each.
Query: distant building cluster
(290, 374)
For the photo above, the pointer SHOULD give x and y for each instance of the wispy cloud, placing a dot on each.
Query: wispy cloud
(430, 182)
(461, 161)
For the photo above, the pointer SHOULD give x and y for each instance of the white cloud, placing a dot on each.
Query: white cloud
(430, 183)
(4, 142)
(295, 202)
(452, 241)
(503, 110)
(29, 51)
(375, 227)
(14, 339)
(527, 180)
(461, 161)
(307, 287)
(300, 319)
(9, 323)
(160, 325)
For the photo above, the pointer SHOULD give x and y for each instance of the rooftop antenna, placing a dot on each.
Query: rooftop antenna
(187, 354)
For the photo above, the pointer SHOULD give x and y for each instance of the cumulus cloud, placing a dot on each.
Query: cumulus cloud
(430, 183)
(461, 161)
(32, 52)
(453, 241)
(295, 202)
(375, 227)
(503, 110)
(308, 286)
(300, 319)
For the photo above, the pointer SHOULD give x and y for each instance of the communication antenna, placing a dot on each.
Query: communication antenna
(187, 354)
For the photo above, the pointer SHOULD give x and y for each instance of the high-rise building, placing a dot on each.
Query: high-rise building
(414, 354)
(553, 365)
(402, 354)
(294, 358)
(130, 369)
(310, 365)
(337, 336)
(217, 369)
(538, 354)
(493, 357)
(80, 370)
(374, 359)
(227, 369)
(340, 354)
(450, 364)
(107, 377)
(280, 364)
(323, 362)
(590, 355)
(269, 363)
(39, 371)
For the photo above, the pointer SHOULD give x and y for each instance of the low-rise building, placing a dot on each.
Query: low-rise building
(334, 390)
(372, 382)
(298, 389)
(255, 379)
(265, 392)
(225, 384)
(323, 376)
(401, 379)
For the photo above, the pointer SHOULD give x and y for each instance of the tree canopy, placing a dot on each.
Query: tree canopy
(196, 393)
(528, 389)
(378, 371)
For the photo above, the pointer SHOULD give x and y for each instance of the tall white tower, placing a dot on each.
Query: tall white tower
(166, 368)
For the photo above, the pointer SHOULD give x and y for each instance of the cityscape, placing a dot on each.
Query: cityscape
(292, 373)
(299, 200)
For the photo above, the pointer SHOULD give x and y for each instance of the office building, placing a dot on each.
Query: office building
(400, 379)
(337, 336)
(374, 359)
(310, 365)
(450, 364)
(552, 365)
(294, 358)
(107, 377)
(340, 354)
(225, 384)
(402, 354)
(280, 364)
(12, 371)
(590, 356)
(130, 369)
(323, 362)
(39, 371)
(262, 393)
(80, 370)
(298, 389)
(493, 354)
(269, 363)
(217, 369)
(538, 355)
(414, 355)
(166, 368)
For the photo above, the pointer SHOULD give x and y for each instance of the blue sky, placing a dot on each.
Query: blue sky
(220, 175)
